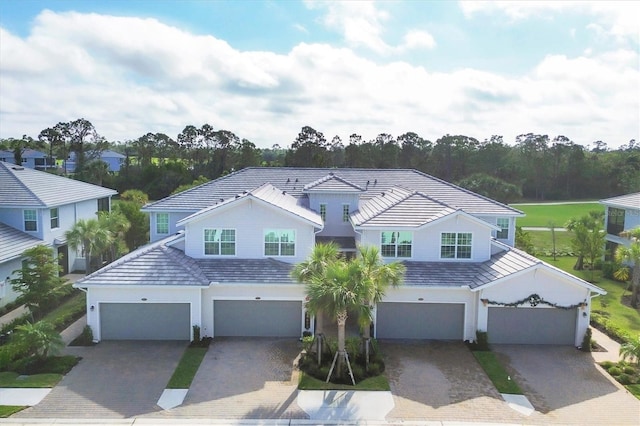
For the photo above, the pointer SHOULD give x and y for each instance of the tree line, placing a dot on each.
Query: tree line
(533, 166)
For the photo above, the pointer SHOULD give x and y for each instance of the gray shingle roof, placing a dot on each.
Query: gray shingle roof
(13, 242)
(271, 195)
(25, 187)
(400, 207)
(631, 201)
(258, 271)
(292, 180)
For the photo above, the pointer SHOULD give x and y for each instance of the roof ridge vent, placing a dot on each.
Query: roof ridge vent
(17, 167)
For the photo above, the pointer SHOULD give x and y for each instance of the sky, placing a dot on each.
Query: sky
(265, 69)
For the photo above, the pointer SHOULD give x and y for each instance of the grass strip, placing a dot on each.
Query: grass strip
(541, 214)
(377, 383)
(10, 379)
(634, 389)
(187, 368)
(497, 373)
(65, 314)
(7, 410)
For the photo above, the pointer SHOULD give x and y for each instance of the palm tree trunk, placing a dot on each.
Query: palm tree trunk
(342, 322)
(366, 340)
(319, 336)
(635, 285)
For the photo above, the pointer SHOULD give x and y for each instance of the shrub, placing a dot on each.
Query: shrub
(629, 370)
(615, 371)
(196, 333)
(586, 341)
(84, 339)
(624, 379)
(482, 341)
(607, 364)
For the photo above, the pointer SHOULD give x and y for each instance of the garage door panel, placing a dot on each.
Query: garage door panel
(441, 321)
(145, 321)
(257, 318)
(532, 325)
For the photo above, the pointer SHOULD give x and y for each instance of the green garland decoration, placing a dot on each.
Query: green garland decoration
(533, 300)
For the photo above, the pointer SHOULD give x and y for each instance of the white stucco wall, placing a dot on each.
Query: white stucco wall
(547, 284)
(284, 292)
(426, 241)
(122, 294)
(6, 273)
(250, 218)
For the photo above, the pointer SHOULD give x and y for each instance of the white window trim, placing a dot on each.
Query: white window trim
(157, 222)
(396, 256)
(24, 220)
(295, 243)
(235, 242)
(456, 259)
(508, 227)
(57, 217)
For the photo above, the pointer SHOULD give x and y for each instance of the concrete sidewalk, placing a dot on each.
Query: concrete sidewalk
(10, 316)
(611, 346)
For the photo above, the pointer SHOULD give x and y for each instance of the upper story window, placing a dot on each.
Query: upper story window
(503, 224)
(345, 212)
(396, 243)
(162, 223)
(103, 204)
(323, 212)
(279, 242)
(30, 220)
(55, 218)
(220, 242)
(455, 245)
(615, 220)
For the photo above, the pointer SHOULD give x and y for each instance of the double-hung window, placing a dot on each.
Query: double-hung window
(503, 224)
(220, 242)
(455, 245)
(30, 220)
(162, 223)
(323, 212)
(345, 212)
(279, 242)
(55, 218)
(396, 243)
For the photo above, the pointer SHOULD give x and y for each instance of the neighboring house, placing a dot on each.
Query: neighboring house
(222, 252)
(113, 159)
(30, 158)
(38, 208)
(622, 213)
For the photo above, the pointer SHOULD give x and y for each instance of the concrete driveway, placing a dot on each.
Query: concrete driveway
(250, 378)
(565, 386)
(113, 380)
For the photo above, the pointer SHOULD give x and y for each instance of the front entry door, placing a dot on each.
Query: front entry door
(63, 259)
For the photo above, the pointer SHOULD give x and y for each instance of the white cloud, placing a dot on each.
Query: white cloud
(617, 18)
(130, 76)
(415, 39)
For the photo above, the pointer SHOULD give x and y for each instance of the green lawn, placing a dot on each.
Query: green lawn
(10, 380)
(65, 314)
(542, 214)
(606, 309)
(497, 373)
(543, 241)
(187, 368)
(634, 389)
(377, 383)
(7, 410)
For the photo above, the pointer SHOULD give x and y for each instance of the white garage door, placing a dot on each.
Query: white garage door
(546, 326)
(257, 318)
(441, 321)
(145, 321)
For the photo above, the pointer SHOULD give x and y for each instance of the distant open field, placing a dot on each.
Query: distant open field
(542, 214)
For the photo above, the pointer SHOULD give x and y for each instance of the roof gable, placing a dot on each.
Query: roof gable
(630, 201)
(25, 187)
(332, 183)
(267, 194)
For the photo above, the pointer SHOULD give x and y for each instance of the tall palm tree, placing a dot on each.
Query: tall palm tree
(91, 237)
(315, 267)
(338, 291)
(118, 224)
(376, 278)
(631, 255)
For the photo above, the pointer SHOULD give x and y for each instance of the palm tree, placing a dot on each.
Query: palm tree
(631, 350)
(336, 292)
(376, 278)
(91, 236)
(118, 224)
(315, 267)
(631, 255)
(38, 340)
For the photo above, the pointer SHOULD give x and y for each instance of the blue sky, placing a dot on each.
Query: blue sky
(264, 69)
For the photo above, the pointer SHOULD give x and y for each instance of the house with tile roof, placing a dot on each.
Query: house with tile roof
(38, 208)
(31, 158)
(114, 160)
(221, 254)
(622, 213)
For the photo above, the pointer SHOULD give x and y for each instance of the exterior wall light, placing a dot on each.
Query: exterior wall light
(92, 308)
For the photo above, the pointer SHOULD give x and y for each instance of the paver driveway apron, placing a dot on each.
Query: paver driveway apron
(565, 386)
(115, 379)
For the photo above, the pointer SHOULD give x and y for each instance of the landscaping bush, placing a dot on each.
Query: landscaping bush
(52, 365)
(629, 370)
(586, 341)
(615, 371)
(481, 343)
(84, 339)
(624, 379)
(196, 333)
(607, 364)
